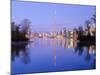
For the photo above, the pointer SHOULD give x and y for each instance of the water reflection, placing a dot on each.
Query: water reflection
(53, 52)
(89, 46)
(20, 50)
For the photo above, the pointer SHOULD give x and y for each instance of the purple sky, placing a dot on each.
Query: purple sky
(42, 15)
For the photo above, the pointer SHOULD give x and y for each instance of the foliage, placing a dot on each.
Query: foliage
(19, 32)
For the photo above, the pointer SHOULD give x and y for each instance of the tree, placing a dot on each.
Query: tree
(80, 29)
(20, 31)
(93, 18)
(88, 23)
(13, 26)
(25, 26)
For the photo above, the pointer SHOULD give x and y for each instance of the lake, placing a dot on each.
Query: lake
(51, 55)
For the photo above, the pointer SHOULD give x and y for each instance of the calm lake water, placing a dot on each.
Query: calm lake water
(49, 55)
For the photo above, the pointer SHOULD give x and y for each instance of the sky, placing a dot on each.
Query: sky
(44, 16)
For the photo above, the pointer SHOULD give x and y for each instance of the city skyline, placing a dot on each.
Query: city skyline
(42, 15)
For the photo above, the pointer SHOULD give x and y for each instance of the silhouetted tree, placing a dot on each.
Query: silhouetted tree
(80, 31)
(20, 31)
(93, 18)
(88, 23)
(25, 26)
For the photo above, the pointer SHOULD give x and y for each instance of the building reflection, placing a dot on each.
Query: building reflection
(22, 51)
(54, 51)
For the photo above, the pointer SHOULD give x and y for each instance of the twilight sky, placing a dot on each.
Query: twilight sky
(42, 15)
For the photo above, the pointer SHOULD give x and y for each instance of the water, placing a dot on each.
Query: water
(49, 55)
